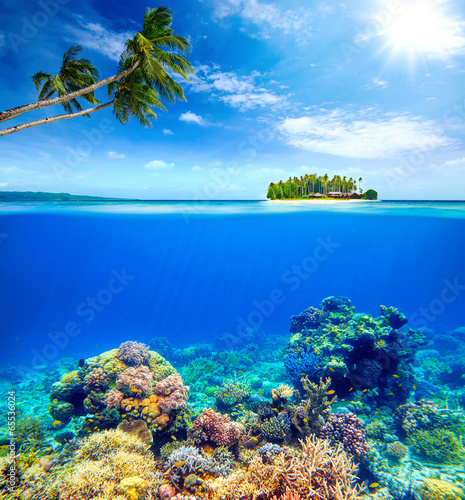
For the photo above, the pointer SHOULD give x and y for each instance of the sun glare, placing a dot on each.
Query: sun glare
(423, 27)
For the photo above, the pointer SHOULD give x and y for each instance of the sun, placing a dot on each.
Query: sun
(424, 27)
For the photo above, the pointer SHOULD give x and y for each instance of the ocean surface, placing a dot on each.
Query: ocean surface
(81, 278)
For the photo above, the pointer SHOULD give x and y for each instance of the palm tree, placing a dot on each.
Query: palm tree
(75, 73)
(360, 184)
(146, 51)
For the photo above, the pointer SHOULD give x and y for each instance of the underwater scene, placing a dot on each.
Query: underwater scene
(232, 350)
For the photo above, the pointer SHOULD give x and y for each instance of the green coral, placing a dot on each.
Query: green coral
(396, 450)
(232, 392)
(440, 445)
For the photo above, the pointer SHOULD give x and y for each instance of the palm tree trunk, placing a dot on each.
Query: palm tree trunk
(52, 119)
(14, 112)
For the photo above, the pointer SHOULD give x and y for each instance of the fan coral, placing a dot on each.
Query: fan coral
(96, 380)
(137, 381)
(212, 426)
(299, 364)
(113, 399)
(396, 450)
(133, 353)
(310, 318)
(346, 428)
(174, 392)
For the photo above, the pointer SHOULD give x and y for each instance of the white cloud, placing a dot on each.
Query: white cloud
(240, 92)
(196, 168)
(266, 17)
(450, 167)
(190, 117)
(158, 165)
(4, 184)
(381, 83)
(364, 134)
(232, 187)
(9, 170)
(166, 131)
(94, 36)
(116, 156)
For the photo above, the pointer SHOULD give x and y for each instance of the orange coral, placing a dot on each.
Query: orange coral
(148, 409)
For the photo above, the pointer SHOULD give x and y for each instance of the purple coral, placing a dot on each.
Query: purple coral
(133, 353)
(346, 428)
(113, 399)
(137, 381)
(212, 426)
(174, 392)
(310, 318)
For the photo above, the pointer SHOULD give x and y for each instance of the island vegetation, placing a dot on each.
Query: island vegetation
(12, 196)
(145, 77)
(313, 186)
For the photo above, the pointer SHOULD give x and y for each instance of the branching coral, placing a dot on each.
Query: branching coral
(212, 426)
(314, 409)
(396, 450)
(232, 392)
(133, 353)
(135, 381)
(319, 472)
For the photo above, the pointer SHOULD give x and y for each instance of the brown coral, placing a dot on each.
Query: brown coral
(133, 353)
(137, 381)
(174, 392)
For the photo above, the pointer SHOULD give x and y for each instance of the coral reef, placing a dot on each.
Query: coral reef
(135, 381)
(347, 429)
(437, 444)
(435, 489)
(133, 353)
(396, 450)
(310, 318)
(217, 428)
(174, 393)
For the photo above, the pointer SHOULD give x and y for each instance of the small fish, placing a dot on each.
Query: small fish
(365, 390)
(50, 407)
(81, 363)
(374, 485)
(3, 431)
(331, 369)
(124, 415)
(134, 390)
(391, 394)
(332, 391)
(168, 393)
(179, 417)
(376, 412)
(305, 420)
(204, 399)
(174, 438)
(276, 410)
(395, 375)
(342, 399)
(254, 438)
(95, 428)
(225, 395)
(57, 422)
(179, 464)
(351, 389)
(260, 392)
(303, 374)
(400, 385)
(244, 467)
(91, 419)
(240, 371)
(414, 387)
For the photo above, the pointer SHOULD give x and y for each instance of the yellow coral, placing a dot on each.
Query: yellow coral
(71, 378)
(134, 488)
(159, 366)
(436, 489)
(110, 365)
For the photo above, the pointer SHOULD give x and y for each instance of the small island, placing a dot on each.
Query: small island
(313, 186)
(25, 196)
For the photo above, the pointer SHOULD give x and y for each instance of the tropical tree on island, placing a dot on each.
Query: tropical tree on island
(143, 80)
(310, 184)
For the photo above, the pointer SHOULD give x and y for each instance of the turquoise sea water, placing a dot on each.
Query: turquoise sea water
(78, 279)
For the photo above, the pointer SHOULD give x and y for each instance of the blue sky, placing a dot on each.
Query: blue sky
(370, 89)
